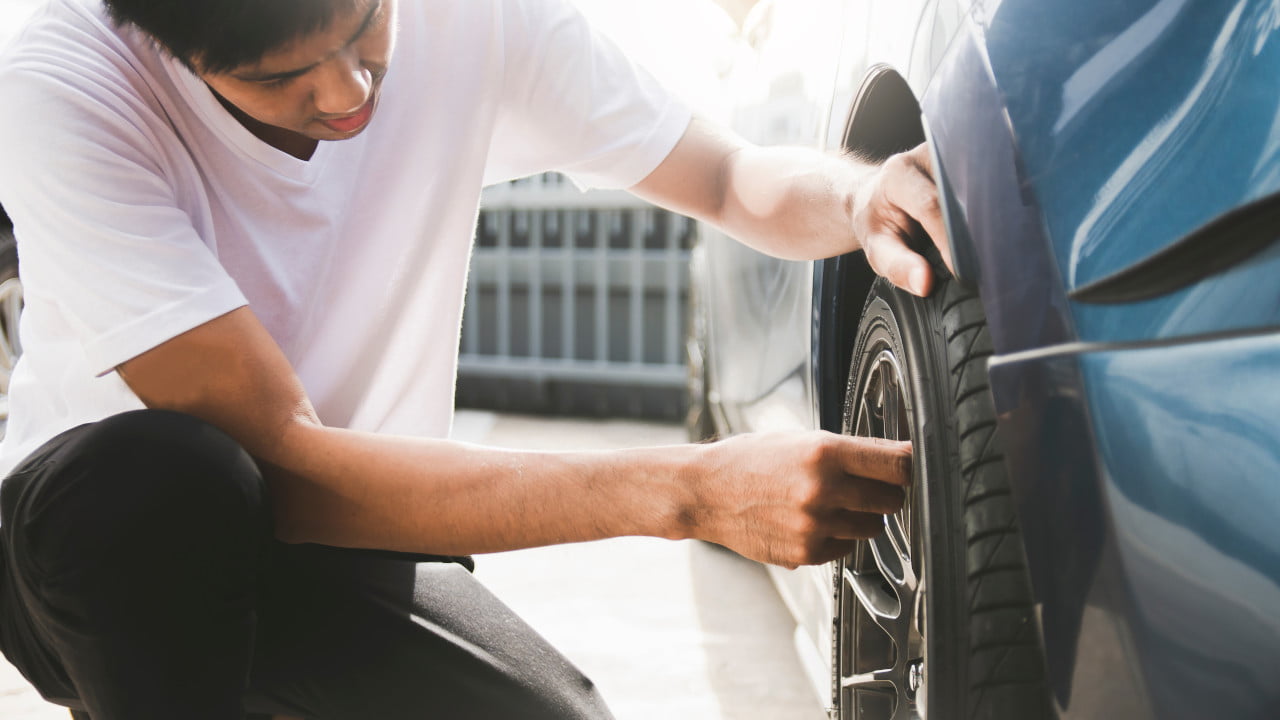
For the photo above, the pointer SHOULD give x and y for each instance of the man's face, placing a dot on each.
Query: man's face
(325, 85)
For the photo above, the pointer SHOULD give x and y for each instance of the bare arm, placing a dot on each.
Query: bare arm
(800, 204)
(786, 499)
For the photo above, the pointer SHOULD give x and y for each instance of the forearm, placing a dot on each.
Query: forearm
(803, 205)
(788, 499)
(351, 489)
(792, 203)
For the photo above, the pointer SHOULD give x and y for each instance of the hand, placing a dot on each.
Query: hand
(900, 196)
(795, 499)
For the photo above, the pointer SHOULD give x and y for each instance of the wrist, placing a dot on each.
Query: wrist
(683, 479)
(694, 495)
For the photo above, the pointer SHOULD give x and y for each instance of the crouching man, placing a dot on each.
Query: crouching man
(227, 458)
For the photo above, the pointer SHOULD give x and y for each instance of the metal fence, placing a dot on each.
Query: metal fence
(576, 303)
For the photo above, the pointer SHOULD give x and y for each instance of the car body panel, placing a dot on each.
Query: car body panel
(1187, 443)
(1158, 588)
(1139, 122)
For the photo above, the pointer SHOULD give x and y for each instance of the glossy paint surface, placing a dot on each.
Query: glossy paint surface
(1013, 264)
(1187, 440)
(1093, 665)
(1137, 122)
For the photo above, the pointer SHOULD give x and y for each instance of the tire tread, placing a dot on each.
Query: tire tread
(1005, 675)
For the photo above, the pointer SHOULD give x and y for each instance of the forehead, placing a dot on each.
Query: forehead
(348, 19)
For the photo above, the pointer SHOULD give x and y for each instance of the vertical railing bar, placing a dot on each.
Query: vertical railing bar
(604, 219)
(535, 285)
(672, 349)
(471, 311)
(639, 222)
(504, 283)
(568, 286)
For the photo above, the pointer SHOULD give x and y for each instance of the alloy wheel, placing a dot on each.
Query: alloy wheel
(881, 673)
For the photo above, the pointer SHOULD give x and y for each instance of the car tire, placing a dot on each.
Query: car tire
(10, 310)
(937, 623)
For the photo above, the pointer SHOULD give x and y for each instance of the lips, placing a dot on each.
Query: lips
(351, 123)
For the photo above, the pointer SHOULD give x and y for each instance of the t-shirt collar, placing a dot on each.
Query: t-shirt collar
(217, 117)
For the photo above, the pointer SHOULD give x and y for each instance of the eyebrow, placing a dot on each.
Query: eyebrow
(359, 33)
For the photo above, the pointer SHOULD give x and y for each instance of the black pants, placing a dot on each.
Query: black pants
(139, 580)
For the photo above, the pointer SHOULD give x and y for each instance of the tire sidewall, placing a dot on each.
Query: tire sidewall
(914, 330)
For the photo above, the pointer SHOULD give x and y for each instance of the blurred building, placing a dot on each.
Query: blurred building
(577, 302)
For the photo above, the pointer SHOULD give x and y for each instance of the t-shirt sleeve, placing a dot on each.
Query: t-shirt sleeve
(573, 102)
(100, 232)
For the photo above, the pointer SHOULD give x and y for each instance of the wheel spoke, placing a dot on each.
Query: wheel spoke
(896, 535)
(879, 679)
(882, 607)
(891, 403)
(887, 559)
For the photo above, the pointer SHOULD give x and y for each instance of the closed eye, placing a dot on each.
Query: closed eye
(275, 83)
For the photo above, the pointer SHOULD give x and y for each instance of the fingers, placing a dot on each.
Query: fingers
(801, 498)
(906, 193)
(843, 534)
(916, 193)
(849, 526)
(888, 461)
(833, 549)
(890, 257)
(862, 495)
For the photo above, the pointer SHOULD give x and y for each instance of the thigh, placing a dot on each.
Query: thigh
(133, 548)
(347, 636)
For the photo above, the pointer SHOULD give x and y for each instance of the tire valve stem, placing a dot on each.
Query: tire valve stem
(915, 676)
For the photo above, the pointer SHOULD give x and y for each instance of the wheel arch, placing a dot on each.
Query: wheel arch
(883, 120)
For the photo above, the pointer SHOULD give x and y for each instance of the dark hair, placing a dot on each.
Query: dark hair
(219, 35)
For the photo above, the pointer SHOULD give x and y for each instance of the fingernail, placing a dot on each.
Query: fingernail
(918, 279)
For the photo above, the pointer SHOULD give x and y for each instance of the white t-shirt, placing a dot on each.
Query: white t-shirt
(143, 209)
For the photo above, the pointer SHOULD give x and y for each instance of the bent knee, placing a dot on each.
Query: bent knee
(147, 474)
(174, 456)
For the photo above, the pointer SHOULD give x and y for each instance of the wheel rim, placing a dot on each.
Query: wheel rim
(882, 674)
(10, 343)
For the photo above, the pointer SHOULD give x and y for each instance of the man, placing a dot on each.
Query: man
(241, 342)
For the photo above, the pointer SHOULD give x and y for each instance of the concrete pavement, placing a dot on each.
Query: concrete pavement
(669, 631)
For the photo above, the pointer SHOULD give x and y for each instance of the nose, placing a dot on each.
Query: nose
(343, 85)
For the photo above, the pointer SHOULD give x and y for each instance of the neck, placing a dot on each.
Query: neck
(299, 146)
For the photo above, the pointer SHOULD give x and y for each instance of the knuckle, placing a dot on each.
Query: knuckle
(867, 526)
(810, 493)
(891, 501)
(897, 163)
(805, 527)
(818, 452)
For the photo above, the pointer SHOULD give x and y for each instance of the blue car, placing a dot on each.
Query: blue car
(1094, 398)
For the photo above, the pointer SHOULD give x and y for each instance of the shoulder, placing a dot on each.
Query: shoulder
(72, 53)
(78, 78)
